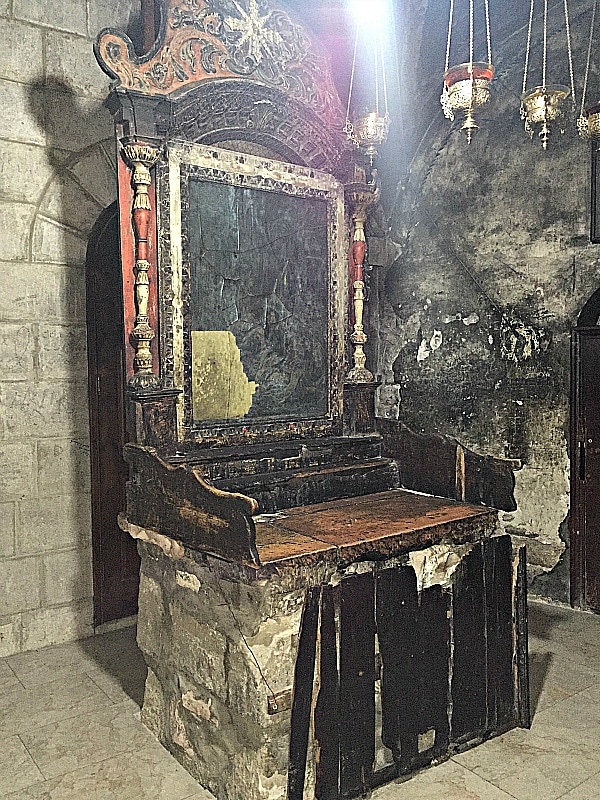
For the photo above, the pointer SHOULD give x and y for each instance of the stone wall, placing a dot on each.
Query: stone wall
(57, 173)
(494, 265)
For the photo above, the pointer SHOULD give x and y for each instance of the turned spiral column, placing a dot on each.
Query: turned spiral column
(359, 195)
(141, 157)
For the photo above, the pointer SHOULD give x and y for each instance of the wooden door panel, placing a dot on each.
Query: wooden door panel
(116, 562)
(585, 470)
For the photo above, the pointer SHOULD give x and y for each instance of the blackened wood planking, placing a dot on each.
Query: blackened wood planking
(469, 690)
(397, 605)
(327, 732)
(499, 632)
(523, 702)
(357, 684)
(303, 693)
(432, 670)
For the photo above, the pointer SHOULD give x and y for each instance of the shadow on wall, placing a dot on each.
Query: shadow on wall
(81, 183)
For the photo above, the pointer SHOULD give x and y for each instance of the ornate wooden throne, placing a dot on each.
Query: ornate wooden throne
(297, 603)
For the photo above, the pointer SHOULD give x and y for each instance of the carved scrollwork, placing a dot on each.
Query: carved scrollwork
(214, 39)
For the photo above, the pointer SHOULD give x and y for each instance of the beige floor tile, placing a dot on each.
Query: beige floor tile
(588, 790)
(540, 764)
(24, 710)
(7, 676)
(571, 635)
(17, 768)
(553, 679)
(148, 774)
(86, 739)
(448, 781)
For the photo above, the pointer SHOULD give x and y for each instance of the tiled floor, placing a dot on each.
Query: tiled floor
(70, 729)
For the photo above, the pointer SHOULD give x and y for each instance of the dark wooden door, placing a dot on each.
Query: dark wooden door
(585, 469)
(116, 562)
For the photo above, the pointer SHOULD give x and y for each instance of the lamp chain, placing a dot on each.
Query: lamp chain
(545, 53)
(487, 32)
(450, 22)
(527, 51)
(352, 77)
(570, 54)
(589, 58)
(471, 2)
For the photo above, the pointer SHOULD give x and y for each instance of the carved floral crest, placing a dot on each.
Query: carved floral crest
(213, 39)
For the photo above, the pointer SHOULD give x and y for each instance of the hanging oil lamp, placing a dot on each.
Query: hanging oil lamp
(369, 130)
(588, 123)
(543, 104)
(467, 86)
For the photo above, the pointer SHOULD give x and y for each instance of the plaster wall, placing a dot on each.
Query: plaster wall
(57, 173)
(493, 267)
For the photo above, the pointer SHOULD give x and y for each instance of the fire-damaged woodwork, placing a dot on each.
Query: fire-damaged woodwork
(327, 724)
(303, 692)
(437, 697)
(177, 502)
(357, 681)
(439, 465)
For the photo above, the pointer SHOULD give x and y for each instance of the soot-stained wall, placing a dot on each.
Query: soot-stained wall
(494, 265)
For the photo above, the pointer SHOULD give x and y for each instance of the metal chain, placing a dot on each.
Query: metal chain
(527, 51)
(487, 31)
(570, 54)
(450, 21)
(544, 55)
(352, 76)
(383, 76)
(589, 58)
(471, 37)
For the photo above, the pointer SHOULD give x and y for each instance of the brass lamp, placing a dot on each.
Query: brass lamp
(588, 123)
(467, 86)
(543, 104)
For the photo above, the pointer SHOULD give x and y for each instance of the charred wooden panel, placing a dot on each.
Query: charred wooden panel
(178, 503)
(357, 684)
(359, 408)
(469, 681)
(397, 606)
(327, 731)
(432, 668)
(499, 631)
(154, 417)
(428, 463)
(523, 700)
(303, 692)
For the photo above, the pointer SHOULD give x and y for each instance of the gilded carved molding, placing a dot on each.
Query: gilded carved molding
(204, 40)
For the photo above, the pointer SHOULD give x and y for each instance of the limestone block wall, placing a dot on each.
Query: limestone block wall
(57, 173)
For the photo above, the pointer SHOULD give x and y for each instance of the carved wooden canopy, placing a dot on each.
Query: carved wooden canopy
(231, 70)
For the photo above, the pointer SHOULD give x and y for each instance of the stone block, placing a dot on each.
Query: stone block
(62, 353)
(74, 123)
(69, 16)
(53, 523)
(24, 171)
(67, 576)
(15, 223)
(65, 201)
(19, 578)
(10, 635)
(112, 14)
(70, 62)
(42, 409)
(4, 7)
(55, 243)
(21, 52)
(96, 171)
(150, 630)
(17, 470)
(31, 292)
(63, 466)
(25, 122)
(198, 649)
(17, 350)
(48, 626)
(7, 529)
